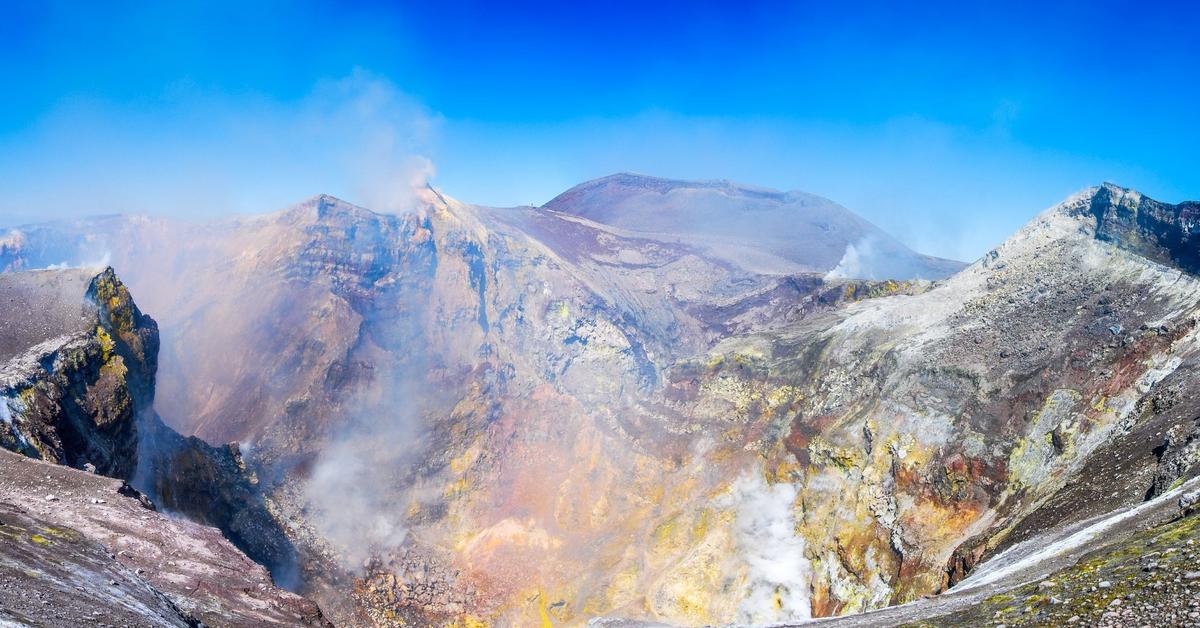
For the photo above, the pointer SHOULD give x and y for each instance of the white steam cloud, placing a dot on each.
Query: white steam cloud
(103, 260)
(200, 154)
(359, 490)
(383, 136)
(348, 501)
(873, 259)
(778, 582)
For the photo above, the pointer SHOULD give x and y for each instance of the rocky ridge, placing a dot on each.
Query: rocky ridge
(761, 230)
(1148, 579)
(1138, 568)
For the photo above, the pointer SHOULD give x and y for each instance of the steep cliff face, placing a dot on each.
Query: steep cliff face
(79, 361)
(212, 486)
(1157, 231)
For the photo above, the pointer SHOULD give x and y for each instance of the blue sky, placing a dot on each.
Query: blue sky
(947, 125)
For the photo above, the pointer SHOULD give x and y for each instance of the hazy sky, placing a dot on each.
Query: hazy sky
(948, 126)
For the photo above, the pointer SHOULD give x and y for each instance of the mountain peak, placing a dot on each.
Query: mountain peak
(628, 183)
(768, 231)
(324, 207)
(326, 203)
(1161, 232)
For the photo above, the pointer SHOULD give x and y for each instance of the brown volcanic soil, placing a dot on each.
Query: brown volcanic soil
(76, 552)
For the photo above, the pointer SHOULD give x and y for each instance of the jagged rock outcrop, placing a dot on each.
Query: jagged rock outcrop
(77, 383)
(78, 367)
(1168, 234)
(212, 486)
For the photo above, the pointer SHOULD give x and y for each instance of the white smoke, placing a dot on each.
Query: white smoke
(103, 260)
(7, 418)
(779, 577)
(201, 154)
(872, 259)
(382, 137)
(347, 500)
(362, 487)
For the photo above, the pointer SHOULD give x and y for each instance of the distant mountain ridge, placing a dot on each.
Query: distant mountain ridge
(760, 230)
(767, 230)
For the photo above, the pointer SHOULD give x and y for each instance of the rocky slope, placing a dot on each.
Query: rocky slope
(77, 375)
(1147, 579)
(79, 551)
(465, 415)
(1046, 383)
(1133, 566)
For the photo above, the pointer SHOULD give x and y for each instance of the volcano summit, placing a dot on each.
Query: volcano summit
(648, 401)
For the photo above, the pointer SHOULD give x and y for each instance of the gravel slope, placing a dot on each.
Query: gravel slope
(80, 549)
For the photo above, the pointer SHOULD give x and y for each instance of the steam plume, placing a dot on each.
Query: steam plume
(778, 582)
